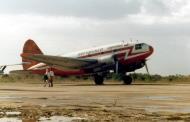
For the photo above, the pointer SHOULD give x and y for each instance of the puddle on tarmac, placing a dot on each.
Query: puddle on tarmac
(159, 98)
(167, 109)
(9, 97)
(13, 113)
(60, 119)
(43, 119)
(10, 120)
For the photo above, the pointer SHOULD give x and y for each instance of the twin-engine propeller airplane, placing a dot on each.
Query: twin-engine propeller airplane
(97, 62)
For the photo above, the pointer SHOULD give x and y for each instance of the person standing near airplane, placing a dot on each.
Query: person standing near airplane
(45, 78)
(51, 77)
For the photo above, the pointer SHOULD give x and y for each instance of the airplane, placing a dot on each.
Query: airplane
(96, 62)
(3, 67)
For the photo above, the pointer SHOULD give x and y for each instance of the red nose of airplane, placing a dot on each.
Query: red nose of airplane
(151, 49)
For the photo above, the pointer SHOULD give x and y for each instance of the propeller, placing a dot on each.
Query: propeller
(146, 66)
(116, 64)
(116, 67)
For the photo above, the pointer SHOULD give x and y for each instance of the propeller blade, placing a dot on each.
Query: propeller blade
(116, 67)
(146, 66)
(116, 64)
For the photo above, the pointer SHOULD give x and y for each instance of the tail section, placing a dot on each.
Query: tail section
(30, 48)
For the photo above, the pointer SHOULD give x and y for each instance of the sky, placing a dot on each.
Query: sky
(63, 26)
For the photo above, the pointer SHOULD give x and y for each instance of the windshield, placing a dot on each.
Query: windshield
(138, 46)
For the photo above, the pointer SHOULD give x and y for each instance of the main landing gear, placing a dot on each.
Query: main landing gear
(99, 80)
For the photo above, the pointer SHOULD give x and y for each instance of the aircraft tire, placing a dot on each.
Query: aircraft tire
(127, 80)
(98, 80)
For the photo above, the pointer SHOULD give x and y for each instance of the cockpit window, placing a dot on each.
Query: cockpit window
(138, 46)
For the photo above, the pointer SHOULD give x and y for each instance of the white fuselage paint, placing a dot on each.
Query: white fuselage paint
(102, 49)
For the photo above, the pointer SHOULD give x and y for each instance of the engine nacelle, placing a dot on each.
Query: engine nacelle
(108, 59)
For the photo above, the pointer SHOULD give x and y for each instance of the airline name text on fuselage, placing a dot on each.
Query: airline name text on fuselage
(100, 50)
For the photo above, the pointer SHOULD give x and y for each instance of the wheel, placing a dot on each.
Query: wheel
(127, 80)
(98, 80)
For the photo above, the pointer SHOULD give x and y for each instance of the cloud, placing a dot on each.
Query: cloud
(139, 11)
(155, 7)
(64, 26)
(103, 9)
(100, 9)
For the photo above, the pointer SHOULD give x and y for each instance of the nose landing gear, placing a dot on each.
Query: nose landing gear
(127, 80)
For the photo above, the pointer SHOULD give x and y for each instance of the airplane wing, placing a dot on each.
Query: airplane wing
(63, 62)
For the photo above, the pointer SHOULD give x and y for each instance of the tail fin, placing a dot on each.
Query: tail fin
(30, 48)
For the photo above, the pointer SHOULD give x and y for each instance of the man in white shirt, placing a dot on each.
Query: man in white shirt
(51, 77)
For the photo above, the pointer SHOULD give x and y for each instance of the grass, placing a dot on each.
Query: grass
(138, 78)
(31, 78)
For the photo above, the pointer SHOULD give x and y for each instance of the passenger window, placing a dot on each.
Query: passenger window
(115, 50)
(138, 46)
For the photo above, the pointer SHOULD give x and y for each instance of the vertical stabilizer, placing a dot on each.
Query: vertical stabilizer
(30, 48)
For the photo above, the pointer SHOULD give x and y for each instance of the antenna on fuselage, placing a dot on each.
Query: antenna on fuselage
(131, 39)
(123, 42)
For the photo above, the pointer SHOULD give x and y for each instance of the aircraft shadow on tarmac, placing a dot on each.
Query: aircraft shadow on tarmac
(136, 84)
(151, 84)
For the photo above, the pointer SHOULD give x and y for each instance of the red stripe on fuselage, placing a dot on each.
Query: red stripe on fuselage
(135, 59)
(130, 53)
(109, 52)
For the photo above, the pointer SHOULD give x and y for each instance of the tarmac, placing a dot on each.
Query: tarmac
(109, 102)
